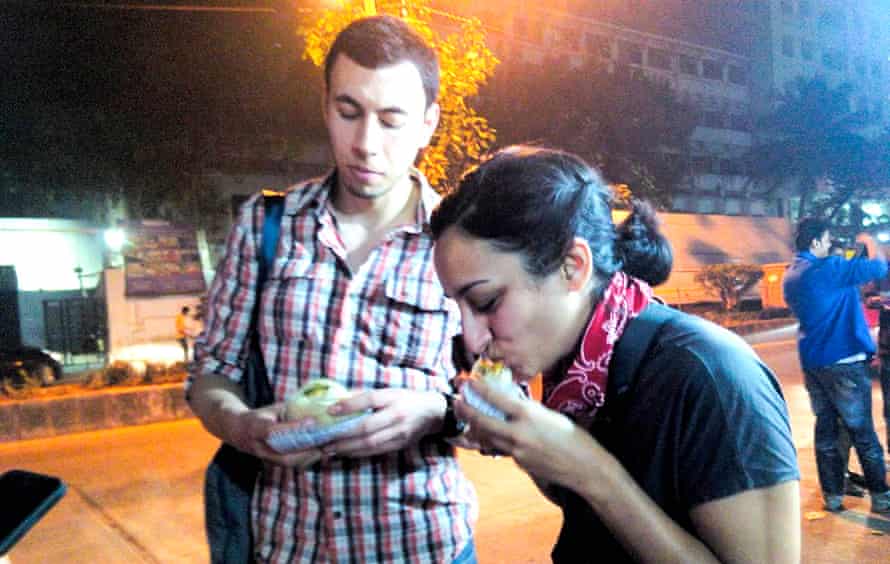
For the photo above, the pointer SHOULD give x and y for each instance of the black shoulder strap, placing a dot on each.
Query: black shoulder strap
(633, 345)
(255, 380)
(273, 204)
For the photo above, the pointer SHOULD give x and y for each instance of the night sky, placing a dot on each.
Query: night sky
(148, 67)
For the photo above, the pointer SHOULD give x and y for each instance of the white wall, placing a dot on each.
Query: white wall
(699, 240)
(146, 324)
(45, 252)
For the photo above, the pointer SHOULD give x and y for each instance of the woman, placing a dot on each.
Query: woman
(683, 454)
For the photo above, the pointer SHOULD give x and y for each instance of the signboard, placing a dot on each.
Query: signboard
(161, 260)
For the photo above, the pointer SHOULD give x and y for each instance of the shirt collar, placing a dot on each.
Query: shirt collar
(317, 192)
(807, 255)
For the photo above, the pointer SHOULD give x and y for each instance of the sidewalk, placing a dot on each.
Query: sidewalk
(135, 497)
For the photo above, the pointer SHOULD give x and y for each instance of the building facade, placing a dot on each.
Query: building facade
(730, 61)
(846, 43)
(713, 81)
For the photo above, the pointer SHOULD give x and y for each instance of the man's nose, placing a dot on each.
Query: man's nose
(367, 137)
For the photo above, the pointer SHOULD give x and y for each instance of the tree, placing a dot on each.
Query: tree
(729, 282)
(810, 145)
(634, 129)
(463, 135)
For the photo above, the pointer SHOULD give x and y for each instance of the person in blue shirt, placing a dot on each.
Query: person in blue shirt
(835, 347)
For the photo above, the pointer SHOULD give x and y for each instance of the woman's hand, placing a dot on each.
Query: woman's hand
(544, 443)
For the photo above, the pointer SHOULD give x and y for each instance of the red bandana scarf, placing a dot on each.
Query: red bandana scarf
(583, 389)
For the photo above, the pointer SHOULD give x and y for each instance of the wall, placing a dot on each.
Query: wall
(44, 253)
(699, 240)
(134, 323)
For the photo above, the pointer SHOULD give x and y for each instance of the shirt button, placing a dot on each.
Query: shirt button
(338, 514)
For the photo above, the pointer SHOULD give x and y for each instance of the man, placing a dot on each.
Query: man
(352, 296)
(182, 331)
(882, 303)
(835, 347)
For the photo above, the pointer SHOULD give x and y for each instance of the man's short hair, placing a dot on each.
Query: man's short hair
(809, 228)
(381, 41)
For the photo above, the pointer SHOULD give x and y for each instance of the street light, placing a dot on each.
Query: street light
(115, 239)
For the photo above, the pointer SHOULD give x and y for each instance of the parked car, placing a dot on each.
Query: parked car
(20, 365)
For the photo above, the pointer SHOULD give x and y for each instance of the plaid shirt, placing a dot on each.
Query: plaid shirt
(386, 325)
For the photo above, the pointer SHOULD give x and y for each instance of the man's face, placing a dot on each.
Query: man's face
(377, 120)
(821, 246)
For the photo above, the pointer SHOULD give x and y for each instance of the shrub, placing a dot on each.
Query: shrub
(729, 281)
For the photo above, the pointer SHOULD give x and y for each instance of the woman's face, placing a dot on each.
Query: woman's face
(529, 323)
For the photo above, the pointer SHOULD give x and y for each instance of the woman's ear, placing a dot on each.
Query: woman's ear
(577, 267)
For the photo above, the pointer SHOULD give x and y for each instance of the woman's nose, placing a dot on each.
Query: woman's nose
(476, 334)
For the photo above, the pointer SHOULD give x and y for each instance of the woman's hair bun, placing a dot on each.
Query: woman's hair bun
(645, 251)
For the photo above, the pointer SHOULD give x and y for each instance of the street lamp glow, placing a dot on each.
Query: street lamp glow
(115, 239)
(872, 208)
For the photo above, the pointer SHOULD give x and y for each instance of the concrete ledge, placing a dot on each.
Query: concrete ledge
(91, 410)
(754, 326)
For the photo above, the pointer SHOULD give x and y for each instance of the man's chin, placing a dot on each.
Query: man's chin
(366, 191)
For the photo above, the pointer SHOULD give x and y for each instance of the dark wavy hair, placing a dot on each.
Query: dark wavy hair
(380, 41)
(535, 201)
(808, 229)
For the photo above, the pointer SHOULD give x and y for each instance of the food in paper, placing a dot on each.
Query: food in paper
(497, 376)
(313, 400)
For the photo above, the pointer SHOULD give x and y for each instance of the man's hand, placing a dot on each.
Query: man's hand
(248, 431)
(874, 249)
(400, 418)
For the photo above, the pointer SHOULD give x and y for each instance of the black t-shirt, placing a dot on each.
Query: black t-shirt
(703, 419)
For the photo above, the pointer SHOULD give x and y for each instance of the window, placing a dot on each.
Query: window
(788, 46)
(833, 60)
(859, 65)
(862, 104)
(876, 69)
(832, 23)
(706, 205)
(713, 119)
(520, 26)
(659, 59)
(564, 39)
(878, 109)
(712, 69)
(739, 122)
(806, 49)
(631, 54)
(805, 9)
(738, 75)
(787, 8)
(688, 65)
(701, 165)
(599, 45)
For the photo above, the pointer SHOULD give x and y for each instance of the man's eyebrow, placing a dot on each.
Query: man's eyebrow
(347, 99)
(393, 110)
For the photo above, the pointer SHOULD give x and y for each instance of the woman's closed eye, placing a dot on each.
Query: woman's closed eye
(486, 305)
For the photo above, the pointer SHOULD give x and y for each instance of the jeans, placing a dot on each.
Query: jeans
(885, 395)
(467, 555)
(844, 391)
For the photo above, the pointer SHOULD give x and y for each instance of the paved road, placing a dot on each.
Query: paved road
(135, 495)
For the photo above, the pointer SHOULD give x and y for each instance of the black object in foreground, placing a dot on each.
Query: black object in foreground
(27, 496)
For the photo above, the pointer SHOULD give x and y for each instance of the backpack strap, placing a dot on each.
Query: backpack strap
(273, 202)
(255, 380)
(634, 344)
